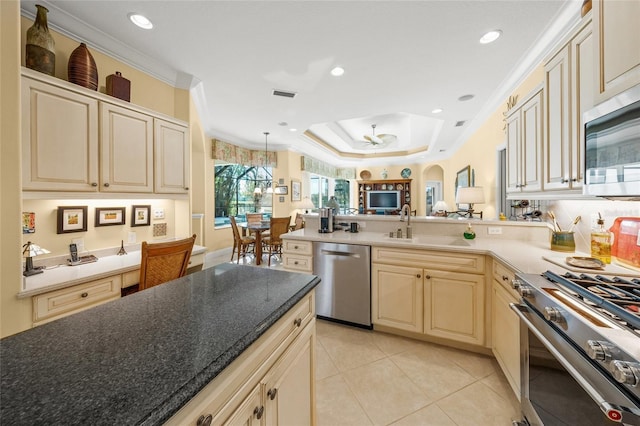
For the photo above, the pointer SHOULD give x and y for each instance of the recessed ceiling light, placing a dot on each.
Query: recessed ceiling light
(490, 36)
(466, 98)
(436, 111)
(337, 71)
(293, 130)
(140, 20)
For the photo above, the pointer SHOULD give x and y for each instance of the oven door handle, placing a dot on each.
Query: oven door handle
(612, 411)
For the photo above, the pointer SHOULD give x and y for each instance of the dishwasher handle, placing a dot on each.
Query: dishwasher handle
(339, 253)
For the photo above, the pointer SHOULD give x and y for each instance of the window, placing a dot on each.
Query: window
(321, 188)
(236, 191)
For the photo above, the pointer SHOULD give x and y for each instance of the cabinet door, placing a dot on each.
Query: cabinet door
(617, 62)
(532, 133)
(506, 335)
(558, 101)
(397, 294)
(454, 306)
(583, 99)
(290, 385)
(249, 413)
(514, 155)
(172, 158)
(59, 139)
(126, 150)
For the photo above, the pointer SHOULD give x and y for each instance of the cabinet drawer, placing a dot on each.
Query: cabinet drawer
(444, 261)
(505, 277)
(63, 302)
(130, 278)
(298, 247)
(297, 263)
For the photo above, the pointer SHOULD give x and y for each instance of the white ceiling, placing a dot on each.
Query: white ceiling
(402, 60)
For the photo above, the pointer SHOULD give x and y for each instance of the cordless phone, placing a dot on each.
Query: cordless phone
(74, 252)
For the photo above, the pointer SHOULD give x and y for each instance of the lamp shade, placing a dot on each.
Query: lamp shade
(306, 204)
(257, 191)
(440, 206)
(32, 250)
(470, 195)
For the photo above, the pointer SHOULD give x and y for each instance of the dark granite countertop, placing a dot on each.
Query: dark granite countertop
(138, 359)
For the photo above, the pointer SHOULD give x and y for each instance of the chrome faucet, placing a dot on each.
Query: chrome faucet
(405, 211)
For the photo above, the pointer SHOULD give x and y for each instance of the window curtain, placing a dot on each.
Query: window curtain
(230, 153)
(321, 168)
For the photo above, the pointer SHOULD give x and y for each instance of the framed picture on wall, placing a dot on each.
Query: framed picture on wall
(107, 216)
(72, 219)
(295, 190)
(140, 215)
(281, 190)
(463, 179)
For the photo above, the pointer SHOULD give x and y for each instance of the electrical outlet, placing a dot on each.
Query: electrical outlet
(494, 230)
(79, 242)
(158, 213)
(131, 237)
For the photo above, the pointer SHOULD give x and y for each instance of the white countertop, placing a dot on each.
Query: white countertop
(529, 257)
(61, 276)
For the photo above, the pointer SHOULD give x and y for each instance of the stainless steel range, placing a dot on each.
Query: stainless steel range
(580, 341)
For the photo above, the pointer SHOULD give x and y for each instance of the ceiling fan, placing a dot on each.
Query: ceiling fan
(380, 140)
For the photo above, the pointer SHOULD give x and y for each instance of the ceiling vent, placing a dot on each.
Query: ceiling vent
(284, 93)
(460, 123)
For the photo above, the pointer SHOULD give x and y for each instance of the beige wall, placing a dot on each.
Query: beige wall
(14, 313)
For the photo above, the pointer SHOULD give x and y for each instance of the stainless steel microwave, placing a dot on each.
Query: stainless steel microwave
(612, 147)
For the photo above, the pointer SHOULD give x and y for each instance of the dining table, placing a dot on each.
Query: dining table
(257, 228)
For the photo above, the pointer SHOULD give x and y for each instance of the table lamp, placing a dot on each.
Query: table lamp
(29, 251)
(306, 204)
(440, 208)
(470, 195)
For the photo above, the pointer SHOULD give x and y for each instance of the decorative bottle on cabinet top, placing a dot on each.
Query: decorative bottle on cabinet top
(601, 242)
(41, 47)
(82, 69)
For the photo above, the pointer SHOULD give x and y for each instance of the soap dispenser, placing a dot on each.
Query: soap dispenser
(469, 233)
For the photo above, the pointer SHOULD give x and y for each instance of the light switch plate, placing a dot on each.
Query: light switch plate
(79, 242)
(494, 230)
(158, 213)
(131, 237)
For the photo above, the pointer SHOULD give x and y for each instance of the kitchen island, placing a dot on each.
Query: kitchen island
(139, 359)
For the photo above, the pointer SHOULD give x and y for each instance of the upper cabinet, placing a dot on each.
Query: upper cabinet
(524, 145)
(77, 140)
(617, 47)
(568, 89)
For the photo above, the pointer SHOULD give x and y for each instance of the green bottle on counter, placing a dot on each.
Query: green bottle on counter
(469, 233)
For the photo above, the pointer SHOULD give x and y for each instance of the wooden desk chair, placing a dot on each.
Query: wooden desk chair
(279, 226)
(240, 243)
(162, 262)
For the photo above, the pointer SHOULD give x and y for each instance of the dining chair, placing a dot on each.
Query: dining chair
(279, 226)
(162, 262)
(240, 243)
(298, 223)
(254, 217)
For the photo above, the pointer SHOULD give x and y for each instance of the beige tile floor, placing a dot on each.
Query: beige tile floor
(367, 377)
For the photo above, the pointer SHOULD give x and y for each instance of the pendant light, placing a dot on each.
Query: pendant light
(269, 187)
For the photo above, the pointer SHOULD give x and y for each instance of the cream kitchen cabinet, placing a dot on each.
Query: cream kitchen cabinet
(126, 150)
(439, 294)
(569, 93)
(59, 139)
(505, 325)
(524, 145)
(66, 301)
(270, 383)
(171, 150)
(297, 255)
(77, 140)
(617, 47)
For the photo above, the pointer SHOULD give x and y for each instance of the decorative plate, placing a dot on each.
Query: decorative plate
(405, 173)
(399, 187)
(365, 174)
(585, 262)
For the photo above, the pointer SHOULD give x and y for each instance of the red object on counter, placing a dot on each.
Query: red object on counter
(626, 241)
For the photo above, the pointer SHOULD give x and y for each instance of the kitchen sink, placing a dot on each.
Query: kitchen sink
(438, 240)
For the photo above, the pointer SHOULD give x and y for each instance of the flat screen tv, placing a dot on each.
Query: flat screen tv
(383, 200)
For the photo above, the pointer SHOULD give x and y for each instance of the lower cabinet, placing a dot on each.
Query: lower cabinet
(271, 383)
(505, 326)
(66, 301)
(429, 299)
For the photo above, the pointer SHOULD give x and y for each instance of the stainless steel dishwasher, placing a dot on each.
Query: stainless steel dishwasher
(344, 294)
